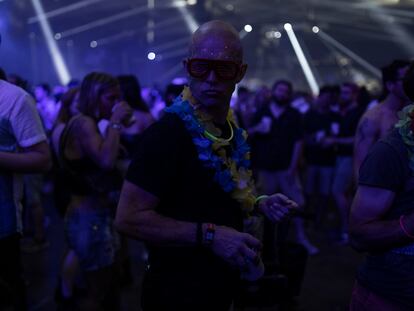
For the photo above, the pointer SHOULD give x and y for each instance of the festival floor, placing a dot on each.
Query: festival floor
(327, 284)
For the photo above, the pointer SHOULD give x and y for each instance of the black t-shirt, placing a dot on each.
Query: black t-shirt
(348, 125)
(273, 151)
(389, 274)
(167, 166)
(319, 124)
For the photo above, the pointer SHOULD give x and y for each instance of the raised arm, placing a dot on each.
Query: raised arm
(33, 159)
(103, 149)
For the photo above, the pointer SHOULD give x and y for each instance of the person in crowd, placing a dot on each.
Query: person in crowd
(382, 218)
(141, 120)
(378, 121)
(243, 107)
(88, 158)
(320, 159)
(46, 105)
(262, 97)
(277, 143)
(173, 89)
(23, 149)
(155, 102)
(189, 188)
(342, 138)
(301, 101)
(70, 265)
(69, 108)
(35, 221)
(141, 117)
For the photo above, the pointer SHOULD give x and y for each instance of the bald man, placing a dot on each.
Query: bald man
(178, 201)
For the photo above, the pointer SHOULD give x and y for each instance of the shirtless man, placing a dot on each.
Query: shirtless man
(378, 121)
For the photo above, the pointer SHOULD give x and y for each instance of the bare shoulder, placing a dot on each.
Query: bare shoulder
(370, 121)
(84, 125)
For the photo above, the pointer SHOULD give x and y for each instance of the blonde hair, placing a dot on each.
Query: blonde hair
(91, 89)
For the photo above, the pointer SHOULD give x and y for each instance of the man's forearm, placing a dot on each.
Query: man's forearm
(378, 235)
(25, 162)
(157, 229)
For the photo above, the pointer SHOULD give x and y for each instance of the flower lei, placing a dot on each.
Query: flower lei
(405, 127)
(232, 171)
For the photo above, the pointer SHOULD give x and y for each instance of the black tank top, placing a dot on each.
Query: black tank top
(83, 175)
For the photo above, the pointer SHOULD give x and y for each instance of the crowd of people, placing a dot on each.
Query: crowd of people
(177, 171)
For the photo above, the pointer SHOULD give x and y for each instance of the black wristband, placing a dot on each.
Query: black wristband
(199, 234)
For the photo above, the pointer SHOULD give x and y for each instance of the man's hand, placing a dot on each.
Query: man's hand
(235, 247)
(263, 127)
(277, 207)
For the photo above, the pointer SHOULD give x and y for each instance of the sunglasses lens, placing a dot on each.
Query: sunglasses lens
(227, 71)
(198, 68)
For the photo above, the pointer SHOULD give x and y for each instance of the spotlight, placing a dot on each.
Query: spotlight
(230, 7)
(191, 2)
(151, 55)
(287, 27)
(58, 36)
(94, 44)
(277, 34)
(315, 29)
(248, 28)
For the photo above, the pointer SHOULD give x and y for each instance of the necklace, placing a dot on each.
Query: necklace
(219, 139)
(231, 168)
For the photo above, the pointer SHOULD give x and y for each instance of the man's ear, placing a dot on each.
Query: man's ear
(242, 72)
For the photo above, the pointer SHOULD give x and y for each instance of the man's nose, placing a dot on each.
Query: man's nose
(211, 77)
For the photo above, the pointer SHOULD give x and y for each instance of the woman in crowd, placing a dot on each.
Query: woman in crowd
(69, 108)
(142, 118)
(88, 158)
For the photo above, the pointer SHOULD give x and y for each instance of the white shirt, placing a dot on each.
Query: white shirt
(20, 127)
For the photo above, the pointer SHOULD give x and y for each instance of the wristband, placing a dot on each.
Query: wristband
(209, 235)
(403, 228)
(259, 198)
(199, 234)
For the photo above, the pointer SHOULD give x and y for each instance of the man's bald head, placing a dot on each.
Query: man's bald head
(215, 39)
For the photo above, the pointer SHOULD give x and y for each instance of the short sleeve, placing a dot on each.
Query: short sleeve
(26, 123)
(156, 163)
(383, 168)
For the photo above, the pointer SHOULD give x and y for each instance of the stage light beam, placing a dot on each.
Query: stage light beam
(57, 58)
(302, 59)
(358, 59)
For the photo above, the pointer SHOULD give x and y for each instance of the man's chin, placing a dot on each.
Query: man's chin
(213, 102)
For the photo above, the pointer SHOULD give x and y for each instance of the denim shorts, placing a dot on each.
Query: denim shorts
(91, 235)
